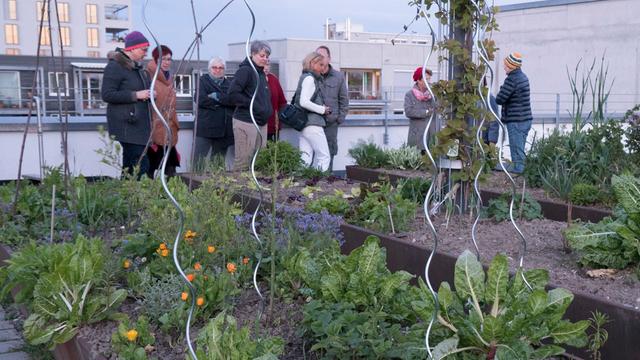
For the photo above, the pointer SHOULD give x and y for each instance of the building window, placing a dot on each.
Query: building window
(183, 85)
(13, 51)
(12, 10)
(45, 36)
(11, 34)
(91, 12)
(63, 12)
(65, 34)
(10, 89)
(92, 37)
(116, 12)
(39, 8)
(91, 95)
(58, 80)
(363, 84)
(93, 54)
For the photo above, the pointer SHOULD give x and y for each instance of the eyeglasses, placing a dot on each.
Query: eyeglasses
(167, 59)
(217, 67)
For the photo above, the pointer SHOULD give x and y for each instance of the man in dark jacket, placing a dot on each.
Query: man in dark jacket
(214, 130)
(334, 90)
(245, 135)
(516, 109)
(125, 88)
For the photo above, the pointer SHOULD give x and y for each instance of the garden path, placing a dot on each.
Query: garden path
(10, 341)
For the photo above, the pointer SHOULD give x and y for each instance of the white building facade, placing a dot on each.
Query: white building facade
(88, 28)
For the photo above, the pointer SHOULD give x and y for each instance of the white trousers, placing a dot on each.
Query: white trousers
(313, 141)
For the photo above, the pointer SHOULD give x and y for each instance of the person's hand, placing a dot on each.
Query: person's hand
(327, 110)
(215, 96)
(143, 94)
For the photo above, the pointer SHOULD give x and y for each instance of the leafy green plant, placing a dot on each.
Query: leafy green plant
(529, 209)
(287, 161)
(584, 194)
(414, 189)
(490, 316)
(369, 155)
(222, 340)
(599, 335)
(334, 204)
(405, 158)
(360, 310)
(310, 172)
(385, 210)
(64, 285)
(131, 340)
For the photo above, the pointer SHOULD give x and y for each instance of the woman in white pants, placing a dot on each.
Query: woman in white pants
(313, 142)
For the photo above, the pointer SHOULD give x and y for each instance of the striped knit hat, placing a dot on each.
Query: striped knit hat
(513, 61)
(135, 40)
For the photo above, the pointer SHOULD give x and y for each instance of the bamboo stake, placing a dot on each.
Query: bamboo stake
(53, 212)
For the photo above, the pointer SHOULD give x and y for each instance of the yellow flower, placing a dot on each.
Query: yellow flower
(164, 253)
(231, 267)
(211, 249)
(132, 335)
(245, 260)
(126, 263)
(189, 235)
(184, 296)
(200, 301)
(197, 266)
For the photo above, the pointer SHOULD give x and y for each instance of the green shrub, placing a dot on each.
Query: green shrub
(584, 194)
(287, 158)
(498, 209)
(405, 158)
(382, 205)
(368, 155)
(414, 189)
(333, 204)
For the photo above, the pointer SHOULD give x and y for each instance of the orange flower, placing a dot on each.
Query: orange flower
(211, 249)
(197, 266)
(132, 335)
(164, 253)
(162, 246)
(190, 277)
(231, 267)
(126, 263)
(184, 296)
(200, 301)
(189, 235)
(245, 260)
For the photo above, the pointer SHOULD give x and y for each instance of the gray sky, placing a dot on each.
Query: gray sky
(172, 20)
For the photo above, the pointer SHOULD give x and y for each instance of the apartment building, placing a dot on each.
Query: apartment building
(88, 28)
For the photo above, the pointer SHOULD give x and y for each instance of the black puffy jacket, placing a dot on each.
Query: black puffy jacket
(214, 116)
(128, 119)
(241, 90)
(515, 98)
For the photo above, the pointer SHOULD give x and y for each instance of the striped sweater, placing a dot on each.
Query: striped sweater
(515, 98)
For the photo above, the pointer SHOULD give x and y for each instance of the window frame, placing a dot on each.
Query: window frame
(180, 90)
(15, 39)
(89, 16)
(52, 90)
(12, 10)
(17, 76)
(97, 37)
(64, 6)
(66, 29)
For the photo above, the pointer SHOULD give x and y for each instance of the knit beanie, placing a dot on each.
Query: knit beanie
(417, 75)
(135, 40)
(513, 61)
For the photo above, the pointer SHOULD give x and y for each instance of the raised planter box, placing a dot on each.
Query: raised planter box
(551, 210)
(623, 329)
(74, 349)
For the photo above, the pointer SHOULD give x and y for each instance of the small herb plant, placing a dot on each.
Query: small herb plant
(384, 209)
(498, 209)
(405, 158)
(222, 340)
(334, 204)
(584, 194)
(369, 155)
(133, 341)
(287, 162)
(492, 316)
(414, 189)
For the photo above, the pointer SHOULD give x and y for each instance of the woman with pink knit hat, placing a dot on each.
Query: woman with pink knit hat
(514, 96)
(418, 106)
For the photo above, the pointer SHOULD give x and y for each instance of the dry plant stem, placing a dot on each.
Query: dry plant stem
(26, 126)
(64, 131)
(272, 240)
(53, 212)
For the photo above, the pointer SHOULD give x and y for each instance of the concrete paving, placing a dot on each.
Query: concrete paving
(10, 341)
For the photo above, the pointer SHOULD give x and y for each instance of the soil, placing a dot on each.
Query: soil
(285, 323)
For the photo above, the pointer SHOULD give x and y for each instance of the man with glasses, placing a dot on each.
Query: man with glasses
(214, 129)
(125, 89)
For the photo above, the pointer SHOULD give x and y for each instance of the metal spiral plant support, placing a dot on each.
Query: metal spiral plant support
(482, 53)
(253, 160)
(503, 130)
(434, 294)
(163, 179)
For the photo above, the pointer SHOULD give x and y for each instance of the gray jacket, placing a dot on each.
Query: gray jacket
(317, 98)
(415, 109)
(334, 90)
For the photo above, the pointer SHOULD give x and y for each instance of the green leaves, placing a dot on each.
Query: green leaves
(497, 281)
(469, 279)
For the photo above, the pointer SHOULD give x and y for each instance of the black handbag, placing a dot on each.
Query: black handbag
(294, 115)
